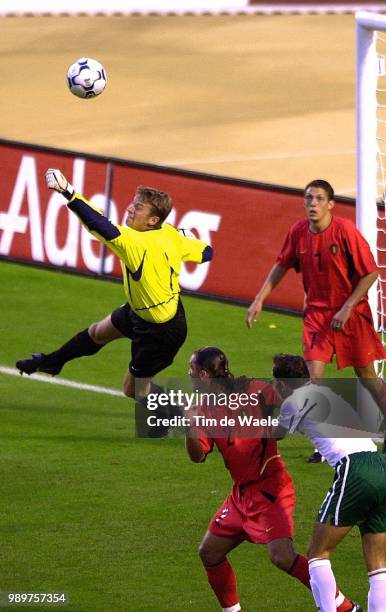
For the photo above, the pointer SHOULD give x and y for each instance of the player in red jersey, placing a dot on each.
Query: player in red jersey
(337, 269)
(260, 506)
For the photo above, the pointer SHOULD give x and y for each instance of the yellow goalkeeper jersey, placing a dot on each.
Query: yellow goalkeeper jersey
(150, 260)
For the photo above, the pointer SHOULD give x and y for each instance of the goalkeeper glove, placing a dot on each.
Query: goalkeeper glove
(56, 180)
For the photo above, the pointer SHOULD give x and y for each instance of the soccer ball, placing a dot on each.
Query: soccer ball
(86, 78)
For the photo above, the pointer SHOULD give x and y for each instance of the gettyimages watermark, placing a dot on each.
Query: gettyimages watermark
(248, 408)
(208, 410)
(186, 401)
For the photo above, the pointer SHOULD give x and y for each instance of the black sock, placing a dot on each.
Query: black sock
(142, 412)
(80, 345)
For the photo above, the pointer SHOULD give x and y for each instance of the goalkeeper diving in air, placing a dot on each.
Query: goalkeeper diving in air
(153, 317)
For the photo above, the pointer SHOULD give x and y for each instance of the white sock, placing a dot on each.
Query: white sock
(339, 599)
(315, 593)
(323, 584)
(234, 608)
(377, 593)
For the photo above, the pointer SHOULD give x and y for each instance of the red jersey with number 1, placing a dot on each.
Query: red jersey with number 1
(331, 262)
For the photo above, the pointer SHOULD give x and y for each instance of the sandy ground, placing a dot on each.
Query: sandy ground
(266, 98)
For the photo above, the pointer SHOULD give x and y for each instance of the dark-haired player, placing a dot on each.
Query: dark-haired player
(260, 506)
(337, 269)
(151, 254)
(358, 493)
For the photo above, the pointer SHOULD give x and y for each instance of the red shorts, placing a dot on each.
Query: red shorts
(253, 514)
(357, 344)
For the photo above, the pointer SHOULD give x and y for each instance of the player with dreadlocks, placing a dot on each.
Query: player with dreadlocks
(260, 506)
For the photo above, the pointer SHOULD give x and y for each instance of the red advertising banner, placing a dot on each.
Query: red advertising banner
(245, 222)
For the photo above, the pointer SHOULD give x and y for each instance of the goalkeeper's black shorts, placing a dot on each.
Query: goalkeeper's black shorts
(154, 345)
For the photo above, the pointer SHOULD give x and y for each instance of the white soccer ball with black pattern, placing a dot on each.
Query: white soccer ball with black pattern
(86, 78)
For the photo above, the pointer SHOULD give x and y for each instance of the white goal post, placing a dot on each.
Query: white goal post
(371, 139)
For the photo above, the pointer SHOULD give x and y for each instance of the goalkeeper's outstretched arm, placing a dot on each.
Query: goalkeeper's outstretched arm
(96, 223)
(90, 216)
(102, 228)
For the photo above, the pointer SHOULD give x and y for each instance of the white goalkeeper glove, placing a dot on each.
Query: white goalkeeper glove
(56, 180)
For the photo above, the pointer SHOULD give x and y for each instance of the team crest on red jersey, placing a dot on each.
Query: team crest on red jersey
(334, 249)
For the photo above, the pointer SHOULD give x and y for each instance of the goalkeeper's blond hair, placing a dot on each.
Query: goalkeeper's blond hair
(160, 201)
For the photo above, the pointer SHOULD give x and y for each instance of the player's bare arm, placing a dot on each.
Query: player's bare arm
(272, 280)
(194, 449)
(343, 314)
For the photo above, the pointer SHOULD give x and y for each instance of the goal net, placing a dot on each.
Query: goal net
(371, 151)
(371, 170)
